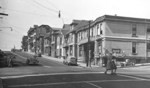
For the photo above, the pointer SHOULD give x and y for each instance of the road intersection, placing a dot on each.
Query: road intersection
(51, 74)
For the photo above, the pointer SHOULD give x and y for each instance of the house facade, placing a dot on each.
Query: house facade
(123, 36)
(55, 33)
(60, 40)
(89, 41)
(70, 39)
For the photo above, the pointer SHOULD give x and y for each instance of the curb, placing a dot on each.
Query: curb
(1, 83)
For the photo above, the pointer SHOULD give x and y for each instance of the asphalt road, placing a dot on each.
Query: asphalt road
(43, 61)
(51, 74)
(80, 80)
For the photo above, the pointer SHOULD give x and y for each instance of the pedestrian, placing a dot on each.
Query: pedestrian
(114, 67)
(109, 63)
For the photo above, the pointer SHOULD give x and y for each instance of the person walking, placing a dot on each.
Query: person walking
(114, 67)
(109, 65)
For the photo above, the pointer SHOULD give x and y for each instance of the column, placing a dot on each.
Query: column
(96, 54)
(73, 50)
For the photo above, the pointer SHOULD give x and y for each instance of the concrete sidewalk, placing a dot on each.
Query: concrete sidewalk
(61, 60)
(84, 64)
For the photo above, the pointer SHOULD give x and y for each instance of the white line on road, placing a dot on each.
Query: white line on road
(93, 84)
(20, 76)
(48, 66)
(133, 77)
(76, 82)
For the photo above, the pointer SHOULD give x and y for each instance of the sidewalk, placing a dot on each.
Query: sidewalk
(84, 64)
(61, 60)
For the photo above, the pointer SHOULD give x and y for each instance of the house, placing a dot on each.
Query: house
(53, 48)
(125, 37)
(70, 46)
(60, 40)
(41, 36)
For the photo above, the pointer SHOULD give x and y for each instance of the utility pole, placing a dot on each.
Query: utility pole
(146, 40)
(89, 47)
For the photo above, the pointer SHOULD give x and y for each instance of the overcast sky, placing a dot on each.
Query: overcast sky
(23, 14)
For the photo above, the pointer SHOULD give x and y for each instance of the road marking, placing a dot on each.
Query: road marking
(133, 77)
(48, 66)
(21, 76)
(93, 85)
(76, 82)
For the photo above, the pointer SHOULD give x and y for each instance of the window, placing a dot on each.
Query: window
(98, 29)
(101, 32)
(133, 47)
(134, 30)
(148, 29)
(80, 50)
(60, 40)
(71, 51)
(148, 47)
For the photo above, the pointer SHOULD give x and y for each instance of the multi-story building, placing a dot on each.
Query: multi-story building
(71, 38)
(60, 40)
(42, 39)
(53, 47)
(122, 36)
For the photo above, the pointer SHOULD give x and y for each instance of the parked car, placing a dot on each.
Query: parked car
(125, 63)
(70, 61)
(7, 59)
(32, 60)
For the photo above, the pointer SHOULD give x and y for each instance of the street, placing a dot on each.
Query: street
(52, 74)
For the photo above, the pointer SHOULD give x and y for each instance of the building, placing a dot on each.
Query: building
(42, 39)
(125, 37)
(55, 33)
(60, 40)
(70, 42)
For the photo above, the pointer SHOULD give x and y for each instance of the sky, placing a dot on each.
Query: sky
(23, 14)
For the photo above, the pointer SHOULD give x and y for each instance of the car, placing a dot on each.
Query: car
(7, 60)
(126, 63)
(32, 60)
(70, 61)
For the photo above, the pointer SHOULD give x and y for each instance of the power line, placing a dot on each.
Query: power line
(52, 4)
(52, 10)
(25, 12)
(15, 27)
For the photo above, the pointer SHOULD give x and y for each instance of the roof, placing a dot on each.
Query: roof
(121, 18)
(56, 28)
(66, 26)
(64, 32)
(79, 24)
